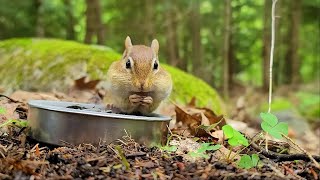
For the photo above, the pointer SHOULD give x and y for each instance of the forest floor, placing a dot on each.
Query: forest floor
(23, 158)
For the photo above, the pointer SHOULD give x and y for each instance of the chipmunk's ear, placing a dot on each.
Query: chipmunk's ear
(155, 46)
(128, 43)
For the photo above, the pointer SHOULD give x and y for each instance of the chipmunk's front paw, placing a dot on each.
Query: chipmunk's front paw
(112, 108)
(146, 101)
(134, 99)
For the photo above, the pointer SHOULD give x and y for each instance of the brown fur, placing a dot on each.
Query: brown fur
(125, 82)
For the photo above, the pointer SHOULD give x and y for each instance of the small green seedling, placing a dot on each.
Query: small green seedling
(169, 148)
(2, 110)
(122, 157)
(248, 162)
(201, 152)
(210, 127)
(235, 138)
(19, 123)
(271, 125)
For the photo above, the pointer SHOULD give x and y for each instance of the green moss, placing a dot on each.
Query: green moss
(309, 105)
(278, 104)
(47, 64)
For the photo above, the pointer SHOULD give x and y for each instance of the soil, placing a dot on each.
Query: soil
(24, 158)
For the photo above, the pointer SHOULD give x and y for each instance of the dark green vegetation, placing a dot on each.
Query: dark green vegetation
(191, 33)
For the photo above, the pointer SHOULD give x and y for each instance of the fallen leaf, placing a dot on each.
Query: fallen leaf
(197, 119)
(37, 151)
(83, 84)
(147, 164)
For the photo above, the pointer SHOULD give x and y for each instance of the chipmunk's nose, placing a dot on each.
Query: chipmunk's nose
(142, 84)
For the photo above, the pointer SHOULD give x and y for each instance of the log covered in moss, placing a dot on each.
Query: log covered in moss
(51, 64)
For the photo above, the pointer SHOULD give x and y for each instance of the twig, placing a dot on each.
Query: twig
(304, 151)
(15, 101)
(274, 2)
(273, 19)
(283, 157)
(291, 172)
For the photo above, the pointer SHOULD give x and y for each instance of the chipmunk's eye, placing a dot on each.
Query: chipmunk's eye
(128, 64)
(155, 65)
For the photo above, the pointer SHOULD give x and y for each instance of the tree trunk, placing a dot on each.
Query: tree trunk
(94, 24)
(292, 53)
(171, 36)
(40, 32)
(266, 44)
(71, 21)
(226, 47)
(232, 62)
(197, 60)
(280, 43)
(149, 21)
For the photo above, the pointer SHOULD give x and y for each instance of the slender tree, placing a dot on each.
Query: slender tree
(226, 47)
(149, 21)
(266, 45)
(171, 35)
(195, 23)
(40, 31)
(94, 24)
(70, 20)
(292, 55)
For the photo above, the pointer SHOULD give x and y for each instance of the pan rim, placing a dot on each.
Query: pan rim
(52, 106)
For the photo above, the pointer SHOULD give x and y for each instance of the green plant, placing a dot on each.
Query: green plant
(2, 110)
(167, 147)
(210, 127)
(271, 125)
(122, 157)
(248, 162)
(235, 138)
(201, 152)
(19, 123)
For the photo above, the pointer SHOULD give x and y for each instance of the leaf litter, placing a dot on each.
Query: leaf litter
(22, 157)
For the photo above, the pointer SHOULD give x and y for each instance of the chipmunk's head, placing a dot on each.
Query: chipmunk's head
(141, 64)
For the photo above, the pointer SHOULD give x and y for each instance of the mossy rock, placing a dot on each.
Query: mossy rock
(309, 105)
(51, 64)
(278, 104)
(305, 104)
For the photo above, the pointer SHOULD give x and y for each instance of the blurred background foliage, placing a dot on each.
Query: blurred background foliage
(191, 33)
(226, 43)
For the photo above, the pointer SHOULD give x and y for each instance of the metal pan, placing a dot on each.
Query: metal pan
(57, 122)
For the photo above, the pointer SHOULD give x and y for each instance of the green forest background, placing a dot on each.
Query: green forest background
(226, 43)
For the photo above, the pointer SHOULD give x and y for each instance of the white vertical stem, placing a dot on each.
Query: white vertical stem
(271, 50)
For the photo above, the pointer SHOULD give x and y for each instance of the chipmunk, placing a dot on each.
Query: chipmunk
(137, 82)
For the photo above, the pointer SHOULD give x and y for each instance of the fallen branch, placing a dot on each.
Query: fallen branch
(12, 100)
(283, 157)
(304, 151)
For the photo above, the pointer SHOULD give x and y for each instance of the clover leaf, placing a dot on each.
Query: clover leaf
(2, 110)
(248, 162)
(271, 125)
(235, 138)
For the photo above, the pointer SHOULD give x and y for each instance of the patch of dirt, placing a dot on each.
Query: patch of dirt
(31, 160)
(24, 158)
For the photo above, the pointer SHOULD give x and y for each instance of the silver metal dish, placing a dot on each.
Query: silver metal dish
(57, 122)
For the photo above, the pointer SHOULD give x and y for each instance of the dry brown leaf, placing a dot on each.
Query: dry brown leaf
(37, 151)
(194, 117)
(10, 110)
(218, 135)
(81, 83)
(147, 164)
(192, 102)
(25, 96)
